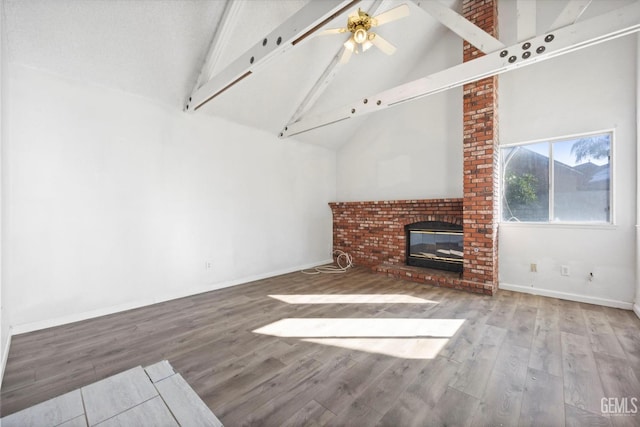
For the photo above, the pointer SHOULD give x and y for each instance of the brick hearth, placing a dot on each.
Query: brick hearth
(373, 234)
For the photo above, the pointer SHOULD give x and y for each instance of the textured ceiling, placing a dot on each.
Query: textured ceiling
(151, 48)
(156, 49)
(269, 98)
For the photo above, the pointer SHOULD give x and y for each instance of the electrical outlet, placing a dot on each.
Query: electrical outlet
(208, 265)
(534, 268)
(564, 270)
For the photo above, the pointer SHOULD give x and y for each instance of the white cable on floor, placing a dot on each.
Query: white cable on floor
(343, 261)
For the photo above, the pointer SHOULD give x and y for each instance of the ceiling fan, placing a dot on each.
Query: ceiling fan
(359, 25)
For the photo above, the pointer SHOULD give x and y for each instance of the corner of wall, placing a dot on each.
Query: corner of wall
(5, 356)
(636, 305)
(5, 329)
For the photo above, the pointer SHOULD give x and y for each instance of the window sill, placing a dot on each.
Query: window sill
(569, 225)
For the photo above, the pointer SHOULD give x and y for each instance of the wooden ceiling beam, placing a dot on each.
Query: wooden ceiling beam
(457, 23)
(220, 38)
(608, 26)
(327, 76)
(294, 30)
(570, 14)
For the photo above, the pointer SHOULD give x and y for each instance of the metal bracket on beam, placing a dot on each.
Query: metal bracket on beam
(301, 25)
(596, 30)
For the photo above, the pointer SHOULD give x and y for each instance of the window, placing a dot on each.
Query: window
(561, 180)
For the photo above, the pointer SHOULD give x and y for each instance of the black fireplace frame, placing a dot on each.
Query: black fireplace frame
(433, 227)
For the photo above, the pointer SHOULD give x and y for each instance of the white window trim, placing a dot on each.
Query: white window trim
(571, 224)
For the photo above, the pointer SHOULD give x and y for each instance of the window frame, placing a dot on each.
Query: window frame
(589, 224)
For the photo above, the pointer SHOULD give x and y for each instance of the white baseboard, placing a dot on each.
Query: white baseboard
(76, 317)
(636, 309)
(5, 355)
(568, 296)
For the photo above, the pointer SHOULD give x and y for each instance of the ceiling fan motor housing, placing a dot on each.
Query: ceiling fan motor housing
(359, 25)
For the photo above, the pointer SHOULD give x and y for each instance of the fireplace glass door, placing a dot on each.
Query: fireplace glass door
(435, 248)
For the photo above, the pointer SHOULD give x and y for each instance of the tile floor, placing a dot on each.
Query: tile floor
(153, 396)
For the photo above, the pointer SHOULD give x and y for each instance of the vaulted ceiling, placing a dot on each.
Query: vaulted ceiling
(158, 49)
(271, 96)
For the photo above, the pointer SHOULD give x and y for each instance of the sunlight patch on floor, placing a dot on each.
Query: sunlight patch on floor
(361, 328)
(406, 348)
(403, 338)
(352, 299)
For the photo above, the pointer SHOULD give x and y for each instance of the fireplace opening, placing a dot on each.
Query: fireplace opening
(435, 244)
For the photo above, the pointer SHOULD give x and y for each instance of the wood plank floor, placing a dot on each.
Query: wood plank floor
(378, 351)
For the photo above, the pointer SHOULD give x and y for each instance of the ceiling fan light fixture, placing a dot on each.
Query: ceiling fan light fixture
(359, 23)
(360, 35)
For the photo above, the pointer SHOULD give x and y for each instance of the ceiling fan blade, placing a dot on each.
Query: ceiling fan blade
(333, 31)
(383, 45)
(390, 15)
(346, 55)
(351, 45)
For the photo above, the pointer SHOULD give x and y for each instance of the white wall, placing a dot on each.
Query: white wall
(415, 151)
(588, 90)
(4, 321)
(114, 201)
(636, 306)
(410, 151)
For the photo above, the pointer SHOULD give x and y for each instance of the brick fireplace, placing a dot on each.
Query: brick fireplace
(373, 232)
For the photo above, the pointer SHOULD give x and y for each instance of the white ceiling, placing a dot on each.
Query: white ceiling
(156, 49)
(151, 48)
(269, 98)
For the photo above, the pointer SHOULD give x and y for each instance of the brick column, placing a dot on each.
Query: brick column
(480, 142)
